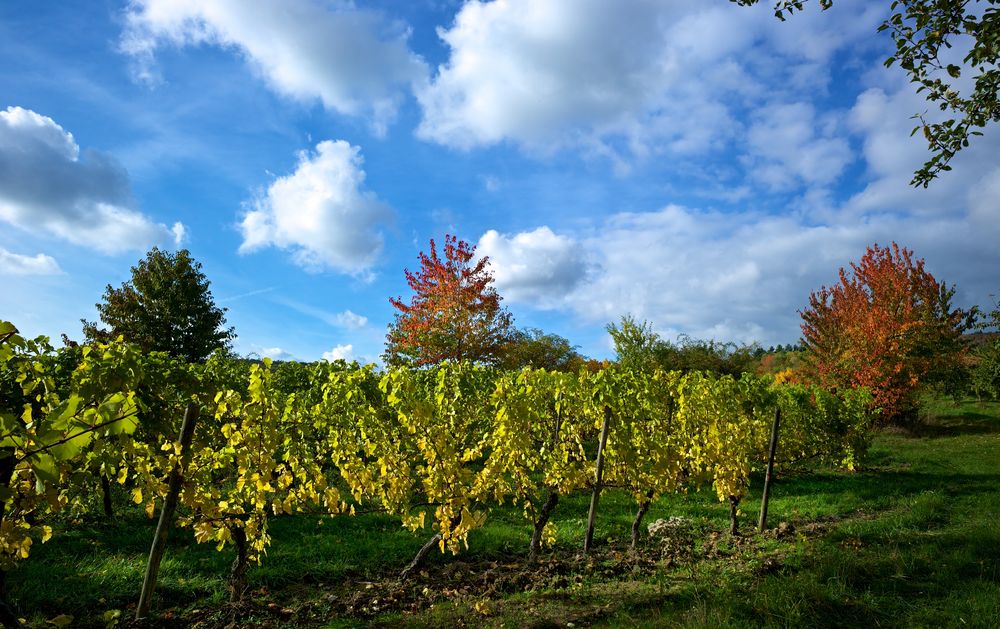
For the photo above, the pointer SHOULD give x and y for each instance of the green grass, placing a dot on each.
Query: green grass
(910, 540)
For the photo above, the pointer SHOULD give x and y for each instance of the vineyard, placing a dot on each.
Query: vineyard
(438, 449)
(500, 314)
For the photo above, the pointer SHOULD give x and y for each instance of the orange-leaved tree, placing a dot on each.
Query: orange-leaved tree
(887, 325)
(454, 314)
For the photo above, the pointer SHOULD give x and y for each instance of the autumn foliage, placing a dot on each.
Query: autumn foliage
(887, 325)
(454, 314)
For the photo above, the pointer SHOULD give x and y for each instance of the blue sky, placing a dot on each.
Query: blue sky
(696, 164)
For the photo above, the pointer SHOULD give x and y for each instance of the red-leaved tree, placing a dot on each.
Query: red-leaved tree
(887, 325)
(454, 314)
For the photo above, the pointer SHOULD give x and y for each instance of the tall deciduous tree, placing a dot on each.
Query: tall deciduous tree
(922, 31)
(166, 306)
(454, 314)
(637, 344)
(888, 325)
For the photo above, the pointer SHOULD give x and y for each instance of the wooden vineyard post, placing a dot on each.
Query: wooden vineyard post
(167, 513)
(588, 540)
(770, 470)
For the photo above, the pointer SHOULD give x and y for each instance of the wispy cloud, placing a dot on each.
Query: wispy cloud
(16, 264)
(346, 319)
(252, 293)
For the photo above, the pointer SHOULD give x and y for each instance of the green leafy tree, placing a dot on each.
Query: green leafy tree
(532, 347)
(691, 354)
(986, 373)
(166, 306)
(922, 30)
(638, 346)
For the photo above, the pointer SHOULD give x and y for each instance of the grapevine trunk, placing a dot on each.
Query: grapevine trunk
(640, 514)
(543, 519)
(238, 573)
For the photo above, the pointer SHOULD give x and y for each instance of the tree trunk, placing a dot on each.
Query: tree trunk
(238, 573)
(543, 519)
(109, 510)
(640, 514)
(734, 504)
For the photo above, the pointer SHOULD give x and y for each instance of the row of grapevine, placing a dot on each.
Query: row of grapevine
(437, 447)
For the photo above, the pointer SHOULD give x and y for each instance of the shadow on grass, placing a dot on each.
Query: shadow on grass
(933, 560)
(925, 570)
(942, 418)
(875, 487)
(968, 423)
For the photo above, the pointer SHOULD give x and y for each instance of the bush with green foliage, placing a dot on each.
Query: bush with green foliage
(638, 346)
(531, 347)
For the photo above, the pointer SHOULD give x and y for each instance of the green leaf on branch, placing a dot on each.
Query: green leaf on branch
(60, 416)
(72, 448)
(45, 468)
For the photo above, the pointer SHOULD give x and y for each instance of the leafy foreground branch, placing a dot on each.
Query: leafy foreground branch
(930, 37)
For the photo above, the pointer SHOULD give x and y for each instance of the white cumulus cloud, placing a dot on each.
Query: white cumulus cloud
(276, 353)
(48, 187)
(353, 60)
(632, 77)
(17, 264)
(350, 320)
(321, 213)
(789, 142)
(180, 233)
(882, 116)
(340, 352)
(743, 277)
(536, 266)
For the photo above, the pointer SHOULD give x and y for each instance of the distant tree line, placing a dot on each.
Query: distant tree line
(888, 325)
(639, 346)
